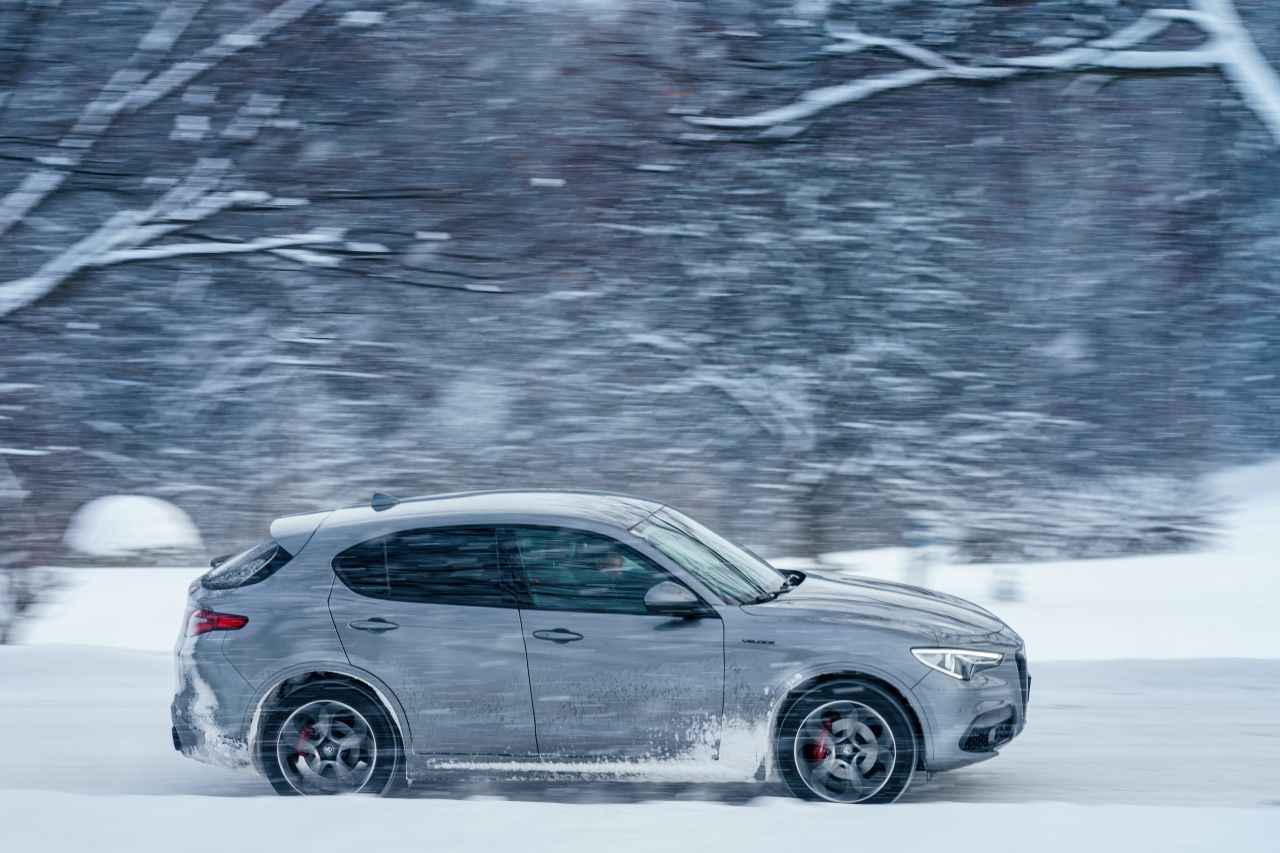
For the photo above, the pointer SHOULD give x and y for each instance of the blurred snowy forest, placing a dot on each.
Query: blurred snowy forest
(829, 274)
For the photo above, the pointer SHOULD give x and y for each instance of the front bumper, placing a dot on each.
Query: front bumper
(971, 720)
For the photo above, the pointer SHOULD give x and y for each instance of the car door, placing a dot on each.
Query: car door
(608, 677)
(429, 612)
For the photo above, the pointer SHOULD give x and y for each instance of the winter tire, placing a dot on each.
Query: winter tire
(847, 742)
(331, 738)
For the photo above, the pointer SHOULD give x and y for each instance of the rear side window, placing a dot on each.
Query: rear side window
(248, 567)
(437, 565)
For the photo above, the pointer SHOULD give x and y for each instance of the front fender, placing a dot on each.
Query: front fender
(838, 667)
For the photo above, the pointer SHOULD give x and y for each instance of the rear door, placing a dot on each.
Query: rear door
(432, 613)
(610, 679)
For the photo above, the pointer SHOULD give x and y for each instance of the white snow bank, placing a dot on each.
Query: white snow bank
(1248, 483)
(1221, 602)
(1213, 604)
(121, 608)
(115, 525)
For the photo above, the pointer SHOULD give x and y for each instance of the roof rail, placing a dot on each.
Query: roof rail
(534, 489)
(383, 501)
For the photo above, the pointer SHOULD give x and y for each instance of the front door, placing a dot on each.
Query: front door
(610, 679)
(429, 613)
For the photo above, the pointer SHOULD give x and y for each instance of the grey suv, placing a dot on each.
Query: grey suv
(365, 648)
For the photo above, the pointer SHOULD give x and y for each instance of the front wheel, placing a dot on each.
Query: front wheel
(330, 738)
(847, 742)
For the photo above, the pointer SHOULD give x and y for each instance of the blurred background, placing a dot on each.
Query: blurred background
(259, 257)
(975, 294)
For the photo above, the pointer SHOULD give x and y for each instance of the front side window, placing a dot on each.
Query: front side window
(734, 573)
(577, 570)
(439, 565)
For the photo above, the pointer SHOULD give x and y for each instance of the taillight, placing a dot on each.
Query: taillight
(204, 621)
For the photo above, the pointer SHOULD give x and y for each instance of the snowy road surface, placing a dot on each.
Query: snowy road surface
(1203, 732)
(38, 821)
(1185, 755)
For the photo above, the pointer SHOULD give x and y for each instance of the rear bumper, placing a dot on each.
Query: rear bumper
(207, 712)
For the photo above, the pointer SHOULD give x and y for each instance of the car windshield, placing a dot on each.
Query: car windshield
(734, 573)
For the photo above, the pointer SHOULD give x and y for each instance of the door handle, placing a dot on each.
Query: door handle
(558, 635)
(376, 625)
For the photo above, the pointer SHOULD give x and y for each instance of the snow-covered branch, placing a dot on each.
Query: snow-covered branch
(173, 250)
(141, 82)
(1227, 47)
(253, 34)
(128, 235)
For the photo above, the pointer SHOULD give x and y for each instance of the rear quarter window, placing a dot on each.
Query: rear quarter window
(248, 567)
(450, 565)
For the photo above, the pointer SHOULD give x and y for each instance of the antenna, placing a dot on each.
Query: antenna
(382, 500)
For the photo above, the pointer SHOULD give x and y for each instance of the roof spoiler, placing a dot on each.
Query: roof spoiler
(293, 532)
(382, 500)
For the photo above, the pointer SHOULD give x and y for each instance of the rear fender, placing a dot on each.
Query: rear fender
(256, 713)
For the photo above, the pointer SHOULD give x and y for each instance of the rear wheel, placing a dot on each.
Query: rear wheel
(330, 738)
(847, 742)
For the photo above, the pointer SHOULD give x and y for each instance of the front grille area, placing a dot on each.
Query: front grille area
(1024, 680)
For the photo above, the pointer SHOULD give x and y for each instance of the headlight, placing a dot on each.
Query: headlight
(958, 663)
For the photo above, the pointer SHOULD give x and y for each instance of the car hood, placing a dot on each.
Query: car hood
(867, 600)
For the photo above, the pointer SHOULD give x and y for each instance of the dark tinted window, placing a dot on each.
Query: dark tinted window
(440, 565)
(363, 568)
(248, 567)
(576, 570)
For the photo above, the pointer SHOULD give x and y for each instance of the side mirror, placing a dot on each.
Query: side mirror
(671, 599)
(218, 561)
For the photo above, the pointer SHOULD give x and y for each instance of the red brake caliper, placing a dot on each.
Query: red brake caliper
(303, 737)
(819, 750)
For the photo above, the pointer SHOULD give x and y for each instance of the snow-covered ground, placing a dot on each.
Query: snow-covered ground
(90, 720)
(1152, 726)
(1119, 755)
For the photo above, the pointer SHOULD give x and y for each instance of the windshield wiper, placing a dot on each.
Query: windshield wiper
(787, 585)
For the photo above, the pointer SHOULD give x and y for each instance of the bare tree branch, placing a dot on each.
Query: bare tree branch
(136, 86)
(253, 34)
(126, 235)
(1227, 48)
(173, 250)
(1250, 71)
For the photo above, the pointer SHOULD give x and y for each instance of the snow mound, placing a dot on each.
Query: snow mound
(1248, 483)
(116, 525)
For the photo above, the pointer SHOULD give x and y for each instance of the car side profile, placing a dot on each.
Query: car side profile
(369, 647)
